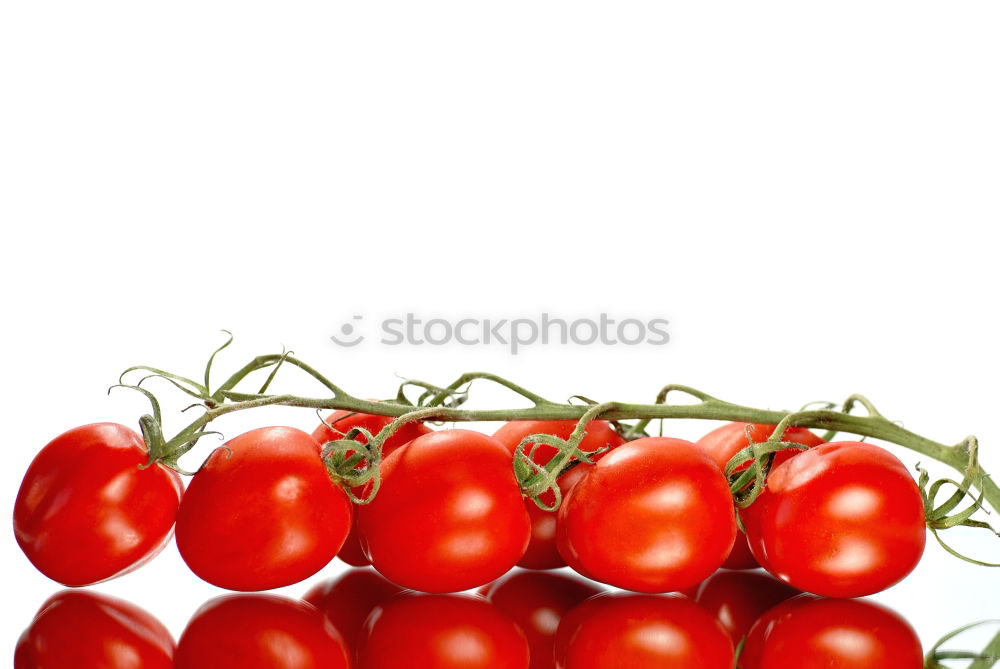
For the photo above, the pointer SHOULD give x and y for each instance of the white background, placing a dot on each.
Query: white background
(804, 190)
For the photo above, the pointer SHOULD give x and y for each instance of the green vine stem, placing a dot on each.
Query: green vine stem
(444, 404)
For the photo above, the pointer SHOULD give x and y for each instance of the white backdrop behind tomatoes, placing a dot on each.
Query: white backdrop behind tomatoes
(805, 192)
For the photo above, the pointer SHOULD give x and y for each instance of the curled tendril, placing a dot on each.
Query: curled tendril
(157, 414)
(940, 517)
(355, 464)
(432, 395)
(211, 360)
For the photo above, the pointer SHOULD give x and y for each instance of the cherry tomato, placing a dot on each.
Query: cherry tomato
(87, 511)
(739, 598)
(542, 552)
(724, 442)
(262, 632)
(449, 516)
(654, 515)
(442, 632)
(346, 601)
(85, 629)
(336, 426)
(842, 520)
(537, 601)
(262, 513)
(811, 633)
(618, 631)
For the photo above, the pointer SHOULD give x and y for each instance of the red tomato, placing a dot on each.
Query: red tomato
(811, 633)
(264, 514)
(85, 629)
(442, 632)
(654, 515)
(537, 601)
(739, 598)
(617, 631)
(841, 520)
(449, 516)
(86, 511)
(542, 552)
(347, 601)
(724, 442)
(262, 632)
(343, 422)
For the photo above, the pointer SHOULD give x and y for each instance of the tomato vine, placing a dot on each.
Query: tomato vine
(445, 404)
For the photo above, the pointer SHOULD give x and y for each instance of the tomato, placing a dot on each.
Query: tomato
(336, 426)
(842, 520)
(87, 511)
(542, 552)
(811, 633)
(618, 631)
(537, 601)
(449, 516)
(262, 632)
(346, 601)
(85, 629)
(739, 598)
(654, 515)
(724, 442)
(442, 632)
(262, 514)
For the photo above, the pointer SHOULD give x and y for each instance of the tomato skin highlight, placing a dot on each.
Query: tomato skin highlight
(86, 512)
(726, 441)
(654, 515)
(807, 632)
(843, 519)
(738, 598)
(542, 552)
(260, 631)
(449, 515)
(620, 631)
(264, 514)
(536, 602)
(348, 600)
(442, 632)
(336, 426)
(84, 629)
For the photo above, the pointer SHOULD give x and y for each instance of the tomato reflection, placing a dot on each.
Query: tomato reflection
(620, 631)
(86, 630)
(809, 632)
(260, 631)
(347, 601)
(537, 601)
(739, 598)
(442, 632)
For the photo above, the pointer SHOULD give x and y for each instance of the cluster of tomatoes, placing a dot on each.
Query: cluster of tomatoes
(652, 515)
(526, 620)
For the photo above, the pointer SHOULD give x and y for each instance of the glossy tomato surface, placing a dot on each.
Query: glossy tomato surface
(542, 552)
(442, 632)
(654, 515)
(618, 631)
(843, 519)
(537, 601)
(811, 633)
(336, 426)
(449, 516)
(263, 513)
(725, 442)
(84, 630)
(260, 632)
(86, 510)
(347, 600)
(738, 598)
